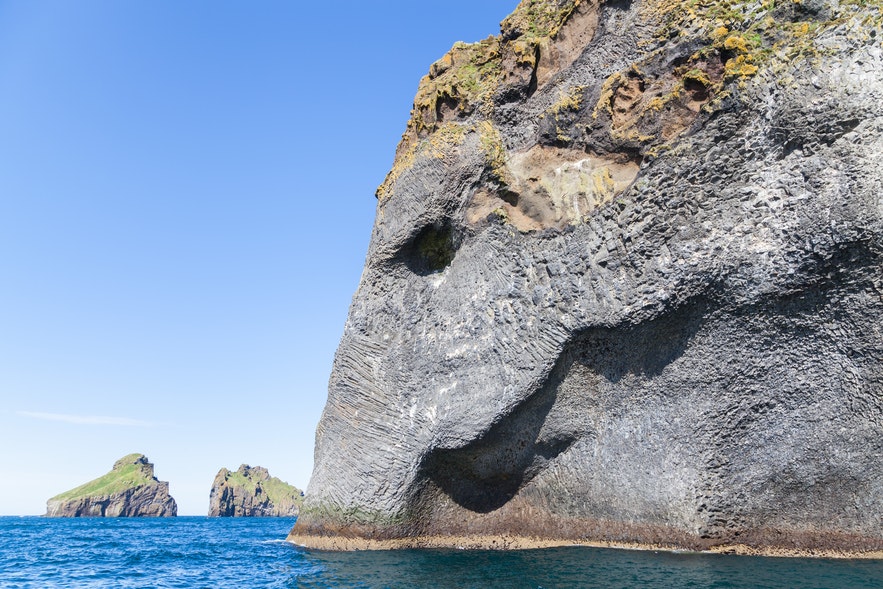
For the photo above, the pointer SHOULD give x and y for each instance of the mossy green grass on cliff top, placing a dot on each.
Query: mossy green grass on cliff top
(466, 78)
(276, 489)
(129, 472)
(470, 72)
(534, 19)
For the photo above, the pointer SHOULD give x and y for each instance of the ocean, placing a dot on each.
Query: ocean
(251, 552)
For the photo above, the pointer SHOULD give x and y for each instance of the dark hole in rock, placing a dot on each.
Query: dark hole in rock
(698, 91)
(446, 108)
(727, 55)
(509, 197)
(431, 250)
(621, 5)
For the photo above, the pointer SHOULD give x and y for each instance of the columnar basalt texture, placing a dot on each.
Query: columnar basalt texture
(624, 286)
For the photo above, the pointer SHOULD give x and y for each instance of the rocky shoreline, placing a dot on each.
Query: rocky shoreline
(509, 542)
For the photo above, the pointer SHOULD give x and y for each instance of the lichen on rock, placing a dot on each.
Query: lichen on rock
(624, 288)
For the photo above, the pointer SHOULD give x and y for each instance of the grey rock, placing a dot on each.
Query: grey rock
(632, 298)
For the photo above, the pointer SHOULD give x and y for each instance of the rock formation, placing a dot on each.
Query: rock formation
(624, 286)
(252, 492)
(129, 490)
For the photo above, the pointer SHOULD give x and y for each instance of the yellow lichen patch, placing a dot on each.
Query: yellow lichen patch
(463, 79)
(656, 103)
(534, 19)
(740, 67)
(603, 184)
(698, 76)
(720, 33)
(568, 101)
(753, 35)
(525, 53)
(446, 137)
(438, 145)
(491, 143)
(736, 43)
(605, 101)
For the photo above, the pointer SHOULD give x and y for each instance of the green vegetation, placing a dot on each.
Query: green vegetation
(750, 32)
(355, 515)
(465, 79)
(278, 491)
(737, 40)
(491, 143)
(533, 20)
(435, 248)
(744, 34)
(467, 76)
(462, 80)
(568, 103)
(128, 472)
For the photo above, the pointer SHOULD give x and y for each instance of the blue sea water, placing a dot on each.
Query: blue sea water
(251, 552)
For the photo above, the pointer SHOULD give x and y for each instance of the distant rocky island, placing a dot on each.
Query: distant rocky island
(130, 489)
(252, 492)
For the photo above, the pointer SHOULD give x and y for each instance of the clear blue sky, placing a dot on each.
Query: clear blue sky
(186, 197)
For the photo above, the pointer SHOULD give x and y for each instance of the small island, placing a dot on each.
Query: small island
(130, 489)
(252, 492)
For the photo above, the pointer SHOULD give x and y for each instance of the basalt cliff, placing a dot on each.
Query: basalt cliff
(129, 490)
(252, 492)
(624, 287)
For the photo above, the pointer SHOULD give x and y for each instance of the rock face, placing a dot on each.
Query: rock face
(252, 492)
(625, 286)
(129, 490)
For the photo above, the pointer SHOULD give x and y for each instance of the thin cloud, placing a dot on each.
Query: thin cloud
(86, 419)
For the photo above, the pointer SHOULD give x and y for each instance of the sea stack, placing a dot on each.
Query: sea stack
(129, 490)
(623, 287)
(252, 492)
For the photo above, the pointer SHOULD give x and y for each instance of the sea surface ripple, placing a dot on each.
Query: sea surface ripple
(251, 552)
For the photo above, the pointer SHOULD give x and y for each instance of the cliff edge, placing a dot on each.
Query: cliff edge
(129, 490)
(624, 287)
(252, 492)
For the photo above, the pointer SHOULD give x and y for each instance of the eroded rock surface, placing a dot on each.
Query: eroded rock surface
(130, 489)
(250, 491)
(624, 286)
